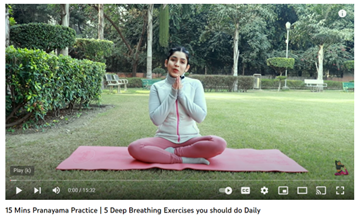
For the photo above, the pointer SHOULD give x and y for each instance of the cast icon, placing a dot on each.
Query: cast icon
(321, 190)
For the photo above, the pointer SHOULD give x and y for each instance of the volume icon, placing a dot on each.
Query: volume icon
(56, 190)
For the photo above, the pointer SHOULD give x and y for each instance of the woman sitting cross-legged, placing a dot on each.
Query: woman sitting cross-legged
(175, 105)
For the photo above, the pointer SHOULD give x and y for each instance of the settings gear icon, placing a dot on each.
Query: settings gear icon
(264, 190)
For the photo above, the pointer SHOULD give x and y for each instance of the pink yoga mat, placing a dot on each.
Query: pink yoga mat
(236, 160)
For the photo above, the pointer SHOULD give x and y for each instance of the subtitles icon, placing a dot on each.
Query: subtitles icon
(321, 190)
(245, 190)
(282, 190)
(226, 190)
(302, 190)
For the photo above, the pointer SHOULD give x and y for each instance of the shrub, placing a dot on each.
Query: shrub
(28, 74)
(134, 82)
(211, 82)
(159, 70)
(224, 82)
(42, 36)
(298, 84)
(268, 84)
(349, 65)
(279, 64)
(92, 49)
(245, 82)
(333, 85)
(38, 82)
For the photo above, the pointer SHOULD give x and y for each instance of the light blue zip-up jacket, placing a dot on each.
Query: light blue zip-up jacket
(175, 112)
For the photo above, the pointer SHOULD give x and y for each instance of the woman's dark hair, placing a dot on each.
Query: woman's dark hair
(179, 49)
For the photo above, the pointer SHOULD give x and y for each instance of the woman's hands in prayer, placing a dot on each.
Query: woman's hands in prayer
(177, 84)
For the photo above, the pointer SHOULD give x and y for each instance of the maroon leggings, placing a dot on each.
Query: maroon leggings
(151, 149)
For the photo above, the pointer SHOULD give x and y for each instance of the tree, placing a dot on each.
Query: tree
(280, 64)
(233, 17)
(321, 26)
(100, 22)
(29, 13)
(65, 21)
(131, 10)
(349, 66)
(254, 45)
(149, 41)
(164, 25)
(7, 26)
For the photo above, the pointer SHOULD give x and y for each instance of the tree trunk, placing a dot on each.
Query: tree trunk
(164, 25)
(100, 22)
(134, 53)
(101, 29)
(236, 54)
(134, 69)
(243, 69)
(7, 28)
(149, 41)
(137, 50)
(65, 18)
(28, 115)
(279, 85)
(320, 63)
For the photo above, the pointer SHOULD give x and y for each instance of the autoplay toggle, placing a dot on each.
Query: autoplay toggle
(226, 190)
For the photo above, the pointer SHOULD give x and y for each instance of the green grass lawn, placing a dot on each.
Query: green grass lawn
(314, 129)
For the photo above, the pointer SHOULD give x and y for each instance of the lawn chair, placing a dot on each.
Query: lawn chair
(121, 81)
(111, 82)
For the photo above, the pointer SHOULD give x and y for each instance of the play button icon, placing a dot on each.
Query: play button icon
(18, 190)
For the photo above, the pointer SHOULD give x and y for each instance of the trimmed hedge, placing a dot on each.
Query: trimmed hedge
(38, 82)
(245, 83)
(134, 82)
(279, 64)
(334, 85)
(42, 36)
(92, 49)
(224, 82)
(298, 84)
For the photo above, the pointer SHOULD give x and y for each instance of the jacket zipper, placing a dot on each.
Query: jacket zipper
(176, 104)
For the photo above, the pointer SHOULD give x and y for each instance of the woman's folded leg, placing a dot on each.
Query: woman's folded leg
(160, 150)
(151, 150)
(201, 147)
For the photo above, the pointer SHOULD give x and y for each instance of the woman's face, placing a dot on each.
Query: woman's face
(177, 64)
